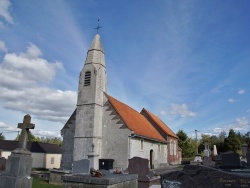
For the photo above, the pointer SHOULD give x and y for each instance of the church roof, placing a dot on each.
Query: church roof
(34, 147)
(96, 44)
(134, 120)
(160, 123)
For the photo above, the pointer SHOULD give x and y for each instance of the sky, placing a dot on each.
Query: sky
(187, 62)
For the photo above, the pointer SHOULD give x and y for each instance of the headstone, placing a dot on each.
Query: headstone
(244, 150)
(207, 161)
(139, 166)
(248, 158)
(230, 160)
(81, 167)
(215, 150)
(2, 164)
(206, 150)
(19, 163)
(200, 176)
(217, 160)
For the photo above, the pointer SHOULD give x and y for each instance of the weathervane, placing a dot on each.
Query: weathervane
(98, 27)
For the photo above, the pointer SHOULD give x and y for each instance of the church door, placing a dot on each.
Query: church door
(151, 159)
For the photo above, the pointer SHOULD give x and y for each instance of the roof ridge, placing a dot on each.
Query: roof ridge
(122, 102)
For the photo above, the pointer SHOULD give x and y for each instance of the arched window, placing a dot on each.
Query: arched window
(87, 78)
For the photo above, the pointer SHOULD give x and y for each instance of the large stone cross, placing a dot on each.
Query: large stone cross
(25, 126)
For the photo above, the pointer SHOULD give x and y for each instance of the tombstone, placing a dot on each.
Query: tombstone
(19, 163)
(206, 150)
(217, 161)
(2, 163)
(140, 166)
(215, 150)
(248, 158)
(201, 176)
(207, 161)
(230, 160)
(81, 167)
(244, 150)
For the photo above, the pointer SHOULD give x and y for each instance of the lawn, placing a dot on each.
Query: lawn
(39, 183)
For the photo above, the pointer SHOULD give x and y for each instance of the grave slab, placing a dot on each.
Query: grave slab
(200, 176)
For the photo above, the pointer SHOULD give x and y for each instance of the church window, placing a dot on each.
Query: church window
(174, 148)
(159, 148)
(141, 144)
(87, 78)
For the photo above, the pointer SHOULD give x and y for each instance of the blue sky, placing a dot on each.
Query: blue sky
(186, 61)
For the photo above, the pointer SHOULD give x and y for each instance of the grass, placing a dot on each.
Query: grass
(39, 183)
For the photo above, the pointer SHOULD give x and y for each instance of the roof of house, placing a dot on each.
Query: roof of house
(134, 120)
(160, 123)
(33, 147)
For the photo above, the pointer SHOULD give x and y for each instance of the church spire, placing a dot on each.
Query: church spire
(96, 44)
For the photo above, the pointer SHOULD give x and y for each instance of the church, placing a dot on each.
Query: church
(102, 127)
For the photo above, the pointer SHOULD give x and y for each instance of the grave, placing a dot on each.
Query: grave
(248, 158)
(196, 176)
(197, 160)
(81, 177)
(81, 166)
(19, 163)
(140, 166)
(206, 150)
(207, 161)
(2, 164)
(55, 176)
(244, 150)
(230, 160)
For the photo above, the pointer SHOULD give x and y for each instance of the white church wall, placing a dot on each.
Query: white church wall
(142, 147)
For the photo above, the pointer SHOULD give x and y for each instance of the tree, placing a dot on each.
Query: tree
(2, 137)
(232, 142)
(31, 137)
(187, 144)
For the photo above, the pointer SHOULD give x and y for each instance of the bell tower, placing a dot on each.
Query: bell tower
(89, 112)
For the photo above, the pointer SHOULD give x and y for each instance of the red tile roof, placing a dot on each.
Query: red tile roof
(134, 120)
(160, 123)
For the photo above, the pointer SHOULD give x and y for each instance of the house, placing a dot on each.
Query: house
(102, 127)
(45, 155)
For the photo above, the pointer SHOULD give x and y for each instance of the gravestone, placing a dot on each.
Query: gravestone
(19, 163)
(199, 176)
(230, 160)
(244, 150)
(206, 150)
(81, 167)
(248, 158)
(217, 160)
(2, 164)
(207, 161)
(140, 166)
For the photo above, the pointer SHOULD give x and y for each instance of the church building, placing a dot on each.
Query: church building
(102, 127)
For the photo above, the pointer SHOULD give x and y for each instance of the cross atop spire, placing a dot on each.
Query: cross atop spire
(98, 26)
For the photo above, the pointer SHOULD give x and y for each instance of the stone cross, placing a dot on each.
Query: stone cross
(25, 126)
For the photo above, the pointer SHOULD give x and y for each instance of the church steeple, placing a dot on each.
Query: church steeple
(90, 102)
(96, 44)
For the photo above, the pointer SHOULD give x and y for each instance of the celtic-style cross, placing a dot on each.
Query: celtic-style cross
(25, 126)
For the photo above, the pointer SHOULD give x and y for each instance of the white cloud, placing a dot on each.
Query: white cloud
(3, 125)
(20, 78)
(240, 124)
(2, 46)
(242, 91)
(179, 110)
(4, 10)
(231, 100)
